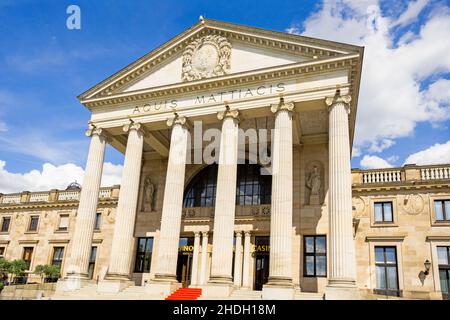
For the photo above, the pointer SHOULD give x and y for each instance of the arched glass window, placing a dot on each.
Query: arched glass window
(201, 191)
(252, 188)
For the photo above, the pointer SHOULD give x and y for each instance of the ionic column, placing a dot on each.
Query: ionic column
(194, 272)
(222, 255)
(246, 264)
(87, 208)
(123, 239)
(166, 268)
(280, 266)
(204, 260)
(342, 271)
(238, 260)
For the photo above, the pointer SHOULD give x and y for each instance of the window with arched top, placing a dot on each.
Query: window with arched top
(253, 187)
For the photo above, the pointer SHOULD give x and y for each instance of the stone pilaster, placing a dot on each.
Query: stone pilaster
(237, 279)
(194, 273)
(221, 279)
(246, 265)
(203, 277)
(165, 277)
(77, 269)
(123, 238)
(342, 273)
(280, 284)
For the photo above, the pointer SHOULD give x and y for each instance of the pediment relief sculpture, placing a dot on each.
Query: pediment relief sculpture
(206, 57)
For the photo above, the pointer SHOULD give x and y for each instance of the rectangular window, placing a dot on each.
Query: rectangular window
(2, 252)
(34, 221)
(6, 221)
(143, 255)
(386, 271)
(383, 211)
(442, 210)
(444, 270)
(63, 222)
(98, 221)
(58, 255)
(27, 256)
(92, 259)
(315, 256)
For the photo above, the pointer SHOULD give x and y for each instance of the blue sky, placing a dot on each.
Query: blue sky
(44, 66)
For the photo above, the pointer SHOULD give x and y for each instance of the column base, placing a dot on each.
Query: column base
(113, 285)
(217, 289)
(72, 282)
(342, 290)
(278, 288)
(162, 289)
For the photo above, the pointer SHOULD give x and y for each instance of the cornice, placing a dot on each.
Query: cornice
(53, 205)
(402, 185)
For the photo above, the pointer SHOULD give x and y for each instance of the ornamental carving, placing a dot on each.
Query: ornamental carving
(206, 57)
(358, 206)
(413, 204)
(148, 199)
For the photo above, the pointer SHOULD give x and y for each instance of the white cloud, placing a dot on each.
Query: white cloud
(392, 100)
(436, 154)
(411, 13)
(379, 146)
(53, 177)
(374, 162)
(3, 127)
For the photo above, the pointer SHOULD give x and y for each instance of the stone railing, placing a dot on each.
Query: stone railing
(68, 195)
(11, 198)
(39, 196)
(435, 173)
(382, 176)
(54, 196)
(408, 172)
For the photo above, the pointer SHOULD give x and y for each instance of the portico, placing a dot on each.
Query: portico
(186, 117)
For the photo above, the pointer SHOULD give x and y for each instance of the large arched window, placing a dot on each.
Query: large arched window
(252, 187)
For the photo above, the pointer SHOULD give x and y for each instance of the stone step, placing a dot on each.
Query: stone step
(308, 296)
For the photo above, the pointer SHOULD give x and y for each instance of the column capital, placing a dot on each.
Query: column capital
(177, 119)
(338, 98)
(228, 113)
(238, 233)
(281, 106)
(204, 233)
(134, 126)
(197, 234)
(247, 233)
(93, 130)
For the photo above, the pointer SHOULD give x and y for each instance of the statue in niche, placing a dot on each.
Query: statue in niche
(314, 184)
(149, 195)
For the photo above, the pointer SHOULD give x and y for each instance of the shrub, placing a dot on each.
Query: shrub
(48, 272)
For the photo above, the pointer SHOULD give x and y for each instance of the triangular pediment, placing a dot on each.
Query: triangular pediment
(212, 49)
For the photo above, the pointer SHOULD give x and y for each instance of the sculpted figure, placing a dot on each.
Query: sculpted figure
(149, 191)
(314, 181)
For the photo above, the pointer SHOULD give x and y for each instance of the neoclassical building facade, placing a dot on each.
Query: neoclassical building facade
(237, 180)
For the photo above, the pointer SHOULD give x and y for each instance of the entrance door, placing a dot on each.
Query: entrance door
(184, 264)
(261, 261)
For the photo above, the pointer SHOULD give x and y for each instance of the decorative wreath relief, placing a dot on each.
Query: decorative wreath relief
(206, 57)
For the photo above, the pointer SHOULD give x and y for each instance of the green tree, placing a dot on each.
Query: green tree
(17, 268)
(47, 272)
(4, 269)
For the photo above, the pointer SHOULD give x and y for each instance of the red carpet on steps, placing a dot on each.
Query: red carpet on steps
(185, 294)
